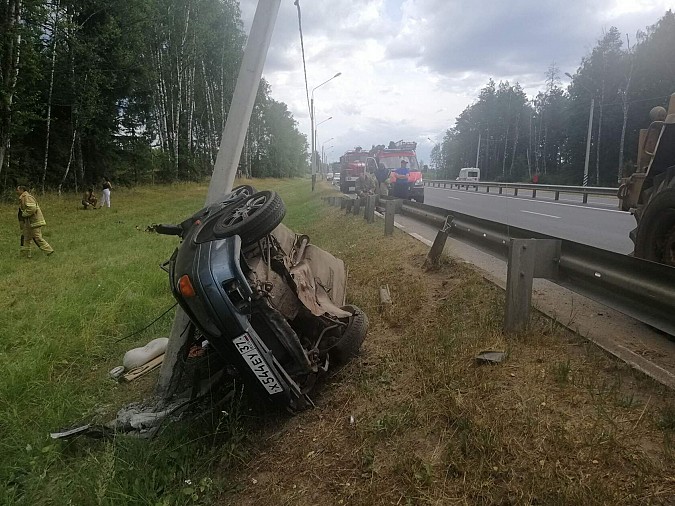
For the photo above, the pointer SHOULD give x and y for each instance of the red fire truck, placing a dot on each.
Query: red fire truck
(403, 182)
(352, 165)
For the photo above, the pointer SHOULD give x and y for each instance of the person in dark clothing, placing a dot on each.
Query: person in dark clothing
(89, 199)
(382, 175)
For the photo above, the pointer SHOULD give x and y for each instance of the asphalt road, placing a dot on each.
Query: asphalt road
(597, 224)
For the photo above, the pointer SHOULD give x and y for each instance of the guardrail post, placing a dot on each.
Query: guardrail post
(585, 198)
(557, 195)
(534, 193)
(349, 206)
(515, 192)
(357, 205)
(390, 211)
(369, 215)
(343, 202)
(519, 275)
(501, 190)
(528, 259)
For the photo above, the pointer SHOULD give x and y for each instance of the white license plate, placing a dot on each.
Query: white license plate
(352, 188)
(252, 357)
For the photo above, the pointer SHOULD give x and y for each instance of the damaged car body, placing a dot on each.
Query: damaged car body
(266, 300)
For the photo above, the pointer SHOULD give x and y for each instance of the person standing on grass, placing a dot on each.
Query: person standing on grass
(31, 221)
(105, 197)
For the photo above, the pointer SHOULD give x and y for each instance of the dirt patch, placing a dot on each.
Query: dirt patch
(415, 420)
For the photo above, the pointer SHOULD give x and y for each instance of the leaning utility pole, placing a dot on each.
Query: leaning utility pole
(225, 169)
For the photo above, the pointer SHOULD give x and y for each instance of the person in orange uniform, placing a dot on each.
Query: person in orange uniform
(33, 221)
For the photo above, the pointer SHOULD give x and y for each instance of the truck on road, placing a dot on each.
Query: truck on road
(403, 182)
(352, 165)
(649, 193)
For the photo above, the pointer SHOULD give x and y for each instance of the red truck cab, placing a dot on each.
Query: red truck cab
(352, 165)
(406, 183)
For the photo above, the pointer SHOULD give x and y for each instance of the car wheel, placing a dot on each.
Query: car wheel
(239, 192)
(655, 235)
(250, 218)
(349, 343)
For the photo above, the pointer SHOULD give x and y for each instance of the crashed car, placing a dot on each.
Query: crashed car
(270, 303)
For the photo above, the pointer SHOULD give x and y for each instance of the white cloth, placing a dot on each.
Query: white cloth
(105, 198)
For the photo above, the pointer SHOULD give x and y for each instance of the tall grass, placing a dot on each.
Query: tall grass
(61, 318)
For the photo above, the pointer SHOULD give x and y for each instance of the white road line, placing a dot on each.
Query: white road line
(535, 201)
(454, 198)
(540, 214)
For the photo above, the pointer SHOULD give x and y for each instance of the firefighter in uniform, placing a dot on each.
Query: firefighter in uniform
(366, 184)
(33, 221)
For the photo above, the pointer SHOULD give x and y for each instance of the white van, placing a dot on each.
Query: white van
(469, 174)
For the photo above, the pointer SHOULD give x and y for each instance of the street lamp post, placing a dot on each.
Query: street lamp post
(322, 153)
(588, 135)
(311, 118)
(316, 136)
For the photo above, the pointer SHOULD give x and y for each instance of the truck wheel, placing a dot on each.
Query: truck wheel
(349, 343)
(655, 234)
(251, 218)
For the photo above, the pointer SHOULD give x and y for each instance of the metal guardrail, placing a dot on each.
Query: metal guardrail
(641, 289)
(585, 191)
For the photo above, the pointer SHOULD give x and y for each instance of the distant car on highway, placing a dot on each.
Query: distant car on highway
(469, 174)
(329, 176)
(336, 177)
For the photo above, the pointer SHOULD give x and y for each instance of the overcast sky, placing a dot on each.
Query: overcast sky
(409, 67)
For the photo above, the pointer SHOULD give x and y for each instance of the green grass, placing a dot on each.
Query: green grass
(412, 420)
(61, 317)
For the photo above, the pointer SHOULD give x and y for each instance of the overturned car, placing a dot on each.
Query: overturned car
(266, 301)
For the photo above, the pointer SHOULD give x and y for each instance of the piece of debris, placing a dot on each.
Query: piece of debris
(144, 369)
(137, 357)
(116, 372)
(385, 298)
(491, 357)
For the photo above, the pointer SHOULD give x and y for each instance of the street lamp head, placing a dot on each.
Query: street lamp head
(337, 75)
(569, 75)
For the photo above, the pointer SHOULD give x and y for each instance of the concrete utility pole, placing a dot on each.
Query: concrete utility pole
(243, 99)
(231, 144)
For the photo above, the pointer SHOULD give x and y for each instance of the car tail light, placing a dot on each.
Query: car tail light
(185, 286)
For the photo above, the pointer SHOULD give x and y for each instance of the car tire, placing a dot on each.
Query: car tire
(655, 234)
(238, 192)
(251, 218)
(349, 344)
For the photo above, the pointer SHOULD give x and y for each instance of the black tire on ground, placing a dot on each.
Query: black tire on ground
(655, 234)
(251, 218)
(352, 338)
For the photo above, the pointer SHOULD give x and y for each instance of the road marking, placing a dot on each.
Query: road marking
(540, 214)
(535, 201)
(454, 198)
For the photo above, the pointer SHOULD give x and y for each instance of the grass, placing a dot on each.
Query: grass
(413, 420)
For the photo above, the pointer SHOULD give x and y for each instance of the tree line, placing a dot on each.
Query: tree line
(138, 90)
(511, 137)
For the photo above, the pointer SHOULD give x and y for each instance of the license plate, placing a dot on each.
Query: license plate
(259, 367)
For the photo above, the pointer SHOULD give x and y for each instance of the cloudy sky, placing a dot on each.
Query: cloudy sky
(409, 67)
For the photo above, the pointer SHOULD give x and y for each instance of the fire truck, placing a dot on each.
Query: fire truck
(403, 182)
(352, 165)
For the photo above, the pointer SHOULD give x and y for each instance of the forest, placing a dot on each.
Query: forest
(511, 137)
(137, 90)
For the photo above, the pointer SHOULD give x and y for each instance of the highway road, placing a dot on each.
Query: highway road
(596, 224)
